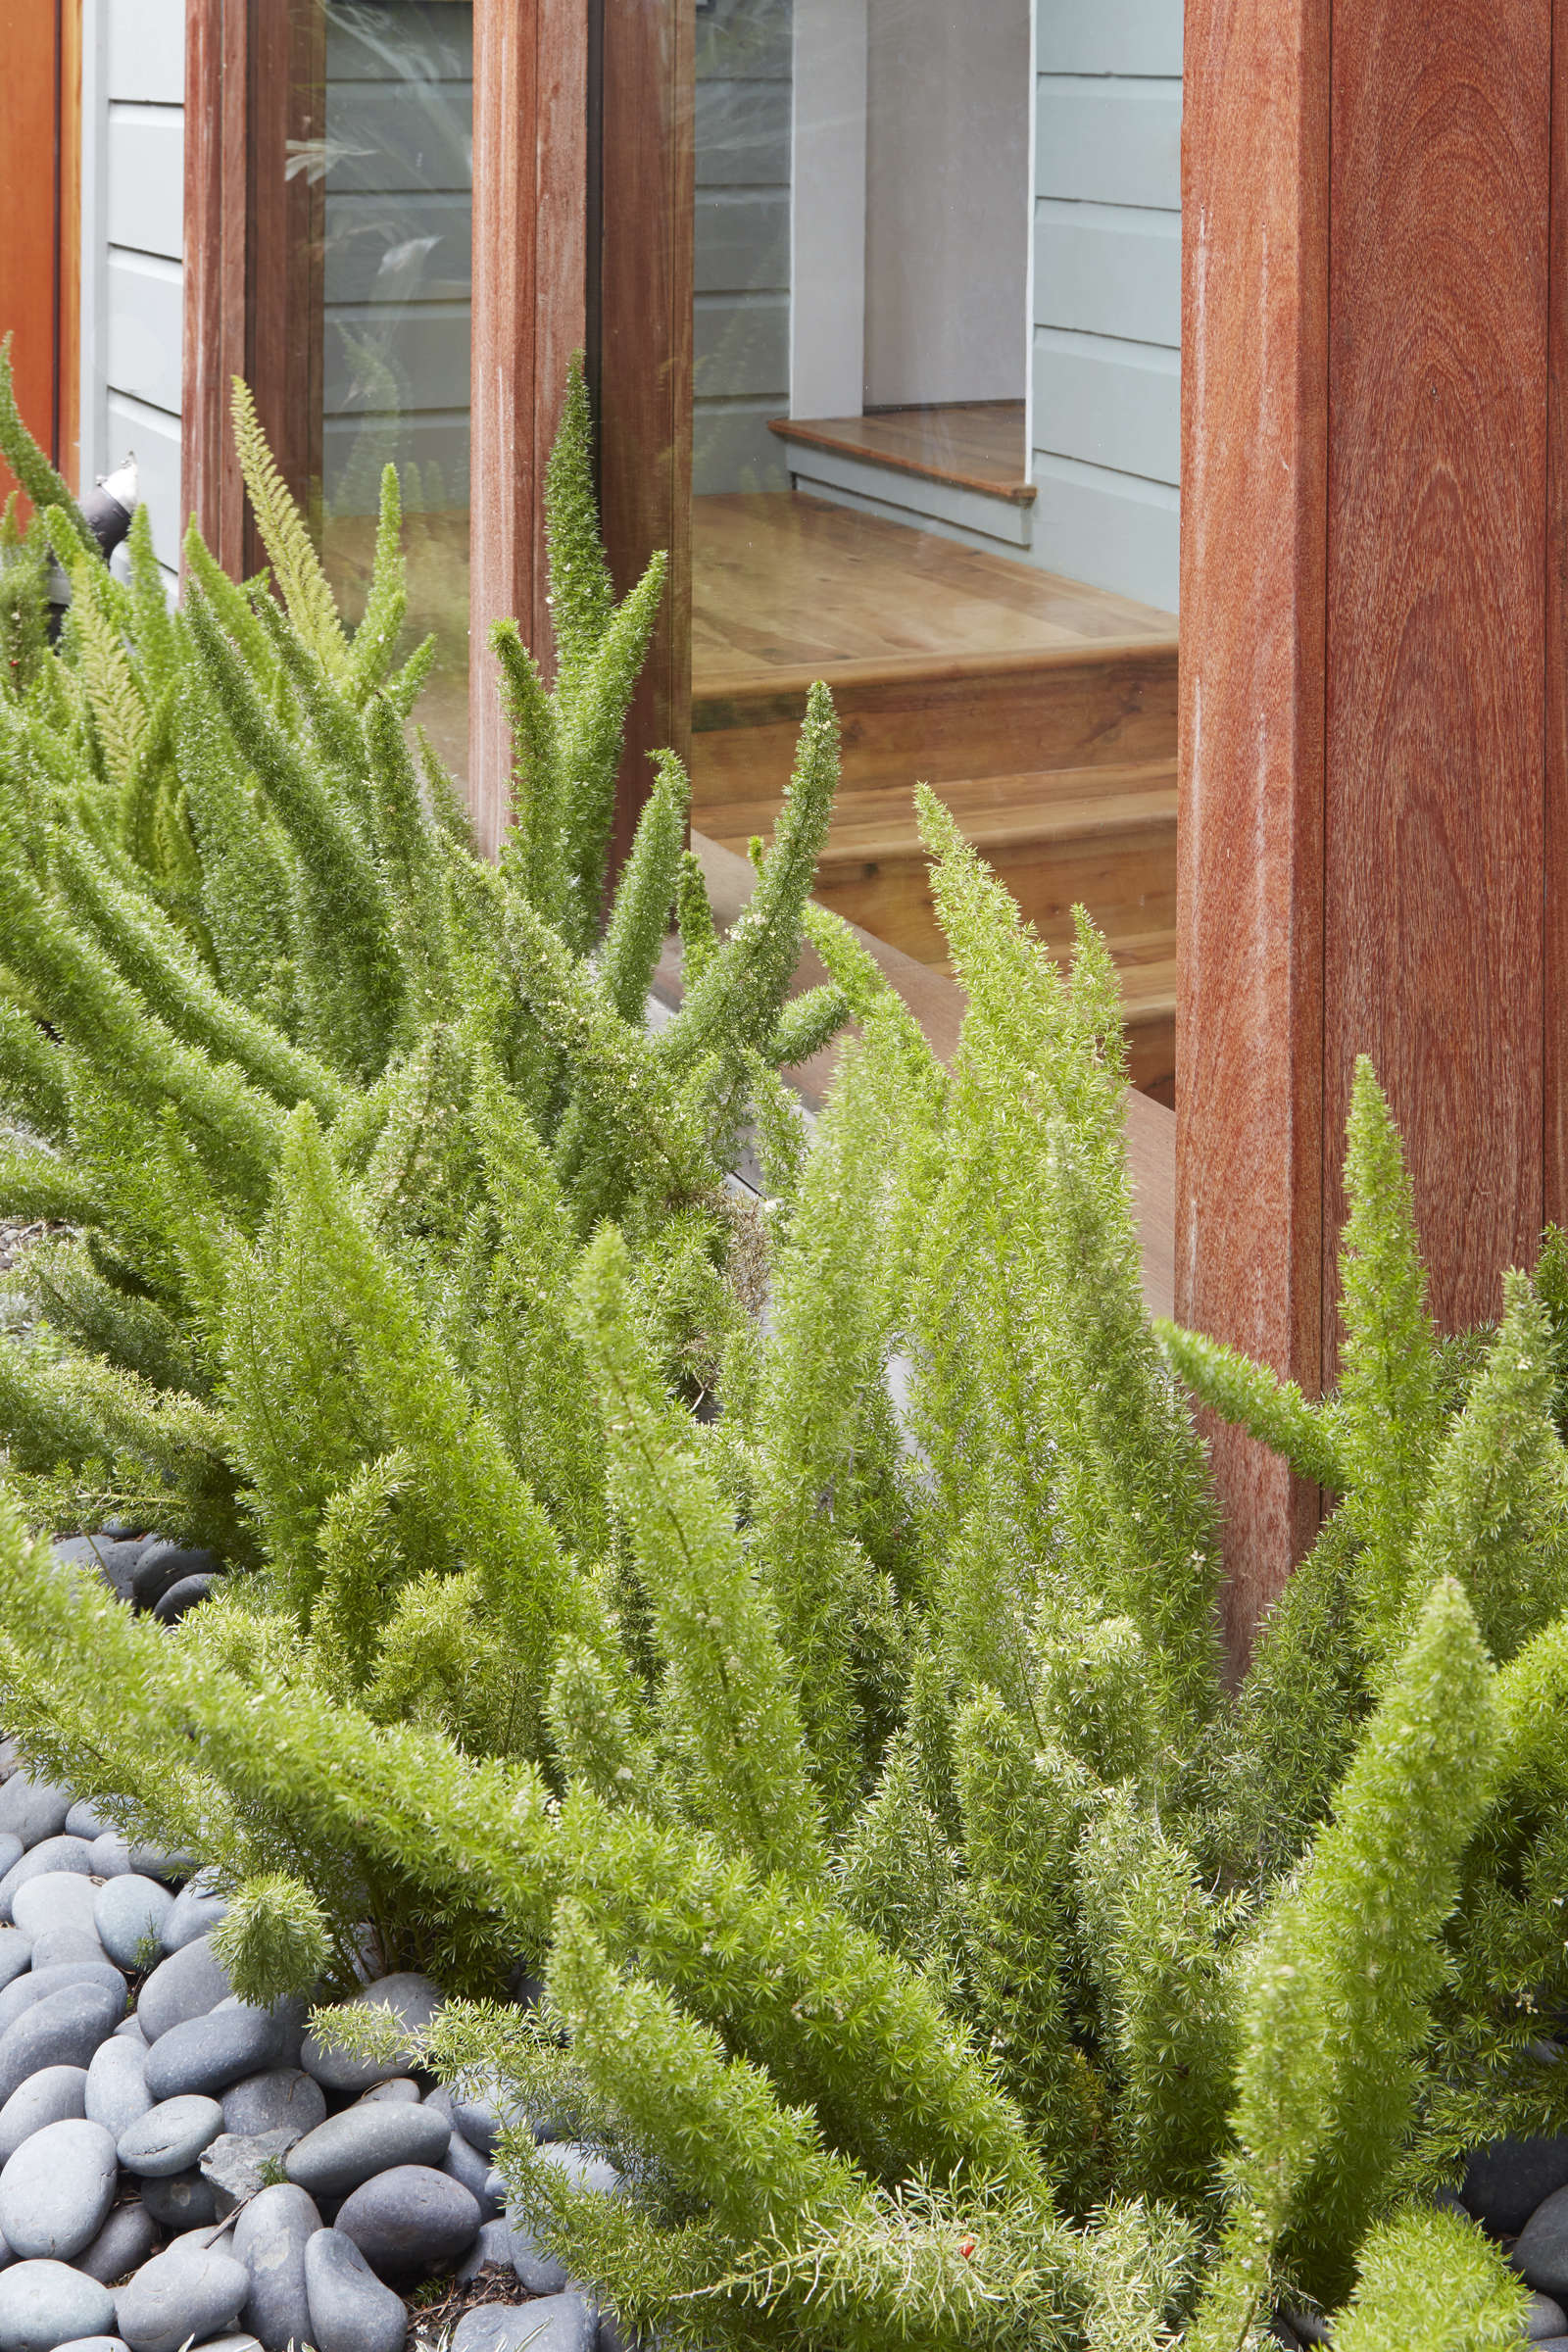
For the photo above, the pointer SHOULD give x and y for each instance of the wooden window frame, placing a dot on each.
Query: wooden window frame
(582, 238)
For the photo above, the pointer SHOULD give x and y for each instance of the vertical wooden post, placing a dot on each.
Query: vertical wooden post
(216, 241)
(530, 177)
(1369, 659)
(647, 215)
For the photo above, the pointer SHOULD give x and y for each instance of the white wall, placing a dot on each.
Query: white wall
(132, 239)
(945, 233)
(1106, 391)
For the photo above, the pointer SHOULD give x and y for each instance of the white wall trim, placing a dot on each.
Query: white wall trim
(1032, 182)
(94, 391)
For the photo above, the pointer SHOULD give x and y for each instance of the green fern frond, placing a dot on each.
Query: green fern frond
(295, 563)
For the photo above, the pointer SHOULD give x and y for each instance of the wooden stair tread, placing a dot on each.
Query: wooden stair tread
(973, 445)
(714, 699)
(878, 824)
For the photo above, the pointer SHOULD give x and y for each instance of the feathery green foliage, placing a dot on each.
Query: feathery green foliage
(1427, 2280)
(788, 1630)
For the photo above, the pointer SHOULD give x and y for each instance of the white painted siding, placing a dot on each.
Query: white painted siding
(1106, 393)
(134, 83)
(742, 323)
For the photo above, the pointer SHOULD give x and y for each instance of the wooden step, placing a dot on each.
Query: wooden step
(971, 445)
(1102, 838)
(969, 717)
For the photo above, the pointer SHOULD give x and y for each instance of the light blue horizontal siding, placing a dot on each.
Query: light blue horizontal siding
(398, 139)
(371, 259)
(420, 347)
(1109, 142)
(1106, 271)
(428, 38)
(146, 51)
(133, 234)
(398, 264)
(743, 242)
(749, 40)
(429, 449)
(1108, 403)
(1110, 36)
(153, 436)
(742, 325)
(742, 345)
(145, 318)
(1106, 359)
(1112, 530)
(743, 135)
(146, 178)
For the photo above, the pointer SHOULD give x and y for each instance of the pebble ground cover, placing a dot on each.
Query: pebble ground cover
(180, 2168)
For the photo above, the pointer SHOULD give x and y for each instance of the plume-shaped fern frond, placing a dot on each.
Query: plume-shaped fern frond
(295, 567)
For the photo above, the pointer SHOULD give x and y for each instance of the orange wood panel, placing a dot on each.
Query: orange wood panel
(34, 251)
(1249, 1036)
(68, 376)
(647, 208)
(529, 314)
(1437, 656)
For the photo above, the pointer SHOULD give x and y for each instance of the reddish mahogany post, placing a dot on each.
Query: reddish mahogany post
(646, 210)
(530, 177)
(217, 270)
(1248, 1010)
(1370, 656)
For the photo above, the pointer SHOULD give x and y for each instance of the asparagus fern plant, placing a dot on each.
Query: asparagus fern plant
(939, 1948)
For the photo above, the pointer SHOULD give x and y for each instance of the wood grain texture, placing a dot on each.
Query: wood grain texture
(30, 190)
(216, 218)
(1433, 883)
(1250, 915)
(529, 307)
(793, 585)
(1554, 845)
(645, 276)
(975, 445)
(284, 236)
(973, 714)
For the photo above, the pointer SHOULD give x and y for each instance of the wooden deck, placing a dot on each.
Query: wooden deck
(973, 445)
(1043, 711)
(782, 582)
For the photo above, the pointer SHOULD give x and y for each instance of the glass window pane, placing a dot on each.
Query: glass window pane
(934, 423)
(391, 169)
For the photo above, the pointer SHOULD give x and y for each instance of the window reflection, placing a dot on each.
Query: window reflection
(390, 167)
(935, 402)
